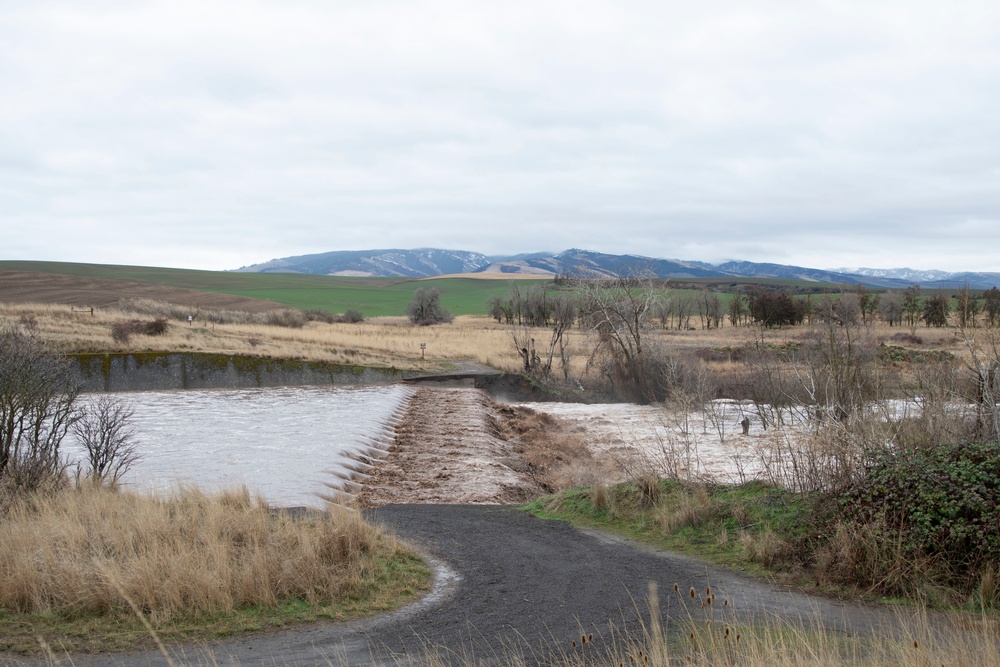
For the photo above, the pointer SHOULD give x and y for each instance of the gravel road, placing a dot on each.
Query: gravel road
(508, 582)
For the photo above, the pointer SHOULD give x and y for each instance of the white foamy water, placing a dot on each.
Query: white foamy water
(286, 443)
(704, 444)
(707, 443)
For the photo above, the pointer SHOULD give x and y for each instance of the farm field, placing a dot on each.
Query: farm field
(102, 285)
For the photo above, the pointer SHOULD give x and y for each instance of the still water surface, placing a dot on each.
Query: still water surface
(284, 442)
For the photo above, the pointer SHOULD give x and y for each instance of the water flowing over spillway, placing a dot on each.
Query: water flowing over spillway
(289, 444)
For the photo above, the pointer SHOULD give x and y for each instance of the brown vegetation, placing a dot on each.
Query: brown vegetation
(95, 553)
(99, 293)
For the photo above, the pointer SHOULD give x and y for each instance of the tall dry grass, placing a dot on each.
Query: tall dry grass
(385, 341)
(715, 632)
(705, 630)
(91, 551)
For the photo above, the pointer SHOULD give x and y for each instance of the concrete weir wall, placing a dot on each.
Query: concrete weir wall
(149, 371)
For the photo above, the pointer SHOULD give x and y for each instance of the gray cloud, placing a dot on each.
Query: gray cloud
(217, 134)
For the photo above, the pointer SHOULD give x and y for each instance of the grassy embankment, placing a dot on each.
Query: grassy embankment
(91, 569)
(918, 527)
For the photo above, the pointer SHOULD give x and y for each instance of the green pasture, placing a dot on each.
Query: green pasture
(372, 296)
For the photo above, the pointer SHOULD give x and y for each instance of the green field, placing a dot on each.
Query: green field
(375, 296)
(372, 296)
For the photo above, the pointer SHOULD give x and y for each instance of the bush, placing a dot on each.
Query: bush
(352, 316)
(935, 504)
(122, 331)
(105, 431)
(324, 316)
(291, 319)
(37, 394)
(426, 309)
(910, 338)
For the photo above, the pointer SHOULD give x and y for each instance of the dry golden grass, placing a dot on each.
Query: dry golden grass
(386, 341)
(713, 633)
(91, 553)
(392, 341)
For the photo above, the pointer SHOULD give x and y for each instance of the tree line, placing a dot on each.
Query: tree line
(538, 306)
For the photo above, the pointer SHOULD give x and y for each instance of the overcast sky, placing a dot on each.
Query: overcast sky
(206, 134)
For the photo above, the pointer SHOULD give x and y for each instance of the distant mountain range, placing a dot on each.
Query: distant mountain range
(428, 262)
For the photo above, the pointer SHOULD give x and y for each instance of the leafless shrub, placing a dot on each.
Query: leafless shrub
(172, 311)
(292, 319)
(904, 337)
(315, 315)
(122, 331)
(352, 316)
(620, 313)
(823, 460)
(37, 394)
(425, 309)
(106, 434)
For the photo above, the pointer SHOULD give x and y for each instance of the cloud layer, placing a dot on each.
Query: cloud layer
(216, 134)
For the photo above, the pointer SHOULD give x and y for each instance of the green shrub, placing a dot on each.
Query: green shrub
(940, 503)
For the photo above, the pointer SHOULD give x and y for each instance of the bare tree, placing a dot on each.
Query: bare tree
(737, 310)
(105, 431)
(966, 307)
(563, 316)
(984, 364)
(912, 305)
(867, 303)
(891, 308)
(425, 308)
(709, 309)
(619, 311)
(991, 306)
(37, 394)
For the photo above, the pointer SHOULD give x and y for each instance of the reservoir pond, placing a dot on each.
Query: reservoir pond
(285, 443)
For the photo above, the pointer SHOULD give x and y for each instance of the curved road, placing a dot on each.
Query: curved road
(509, 582)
